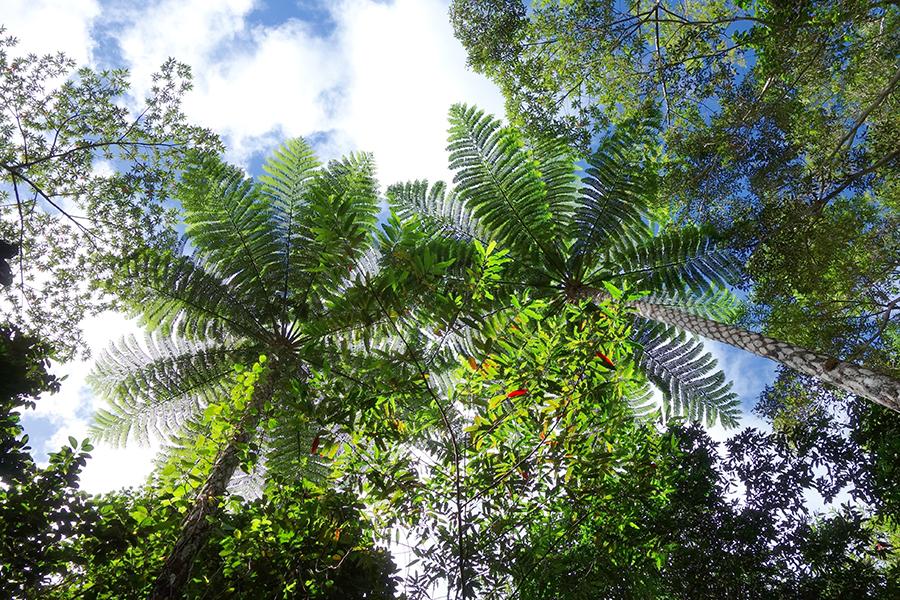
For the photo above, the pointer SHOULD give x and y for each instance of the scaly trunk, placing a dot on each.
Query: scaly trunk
(843, 375)
(195, 526)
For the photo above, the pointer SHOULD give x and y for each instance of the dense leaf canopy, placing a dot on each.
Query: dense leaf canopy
(779, 124)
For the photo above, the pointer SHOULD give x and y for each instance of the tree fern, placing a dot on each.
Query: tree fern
(566, 237)
(265, 259)
(268, 260)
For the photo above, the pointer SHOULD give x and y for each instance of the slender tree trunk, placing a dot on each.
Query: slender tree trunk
(195, 526)
(843, 375)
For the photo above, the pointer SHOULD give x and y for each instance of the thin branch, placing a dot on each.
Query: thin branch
(90, 235)
(848, 181)
(722, 21)
(21, 240)
(863, 116)
(90, 146)
(662, 76)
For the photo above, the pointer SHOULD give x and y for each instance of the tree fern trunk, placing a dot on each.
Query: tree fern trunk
(843, 375)
(195, 526)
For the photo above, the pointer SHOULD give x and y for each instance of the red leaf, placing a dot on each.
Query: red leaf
(606, 360)
(315, 445)
(517, 393)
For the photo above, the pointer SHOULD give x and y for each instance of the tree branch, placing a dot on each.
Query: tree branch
(863, 116)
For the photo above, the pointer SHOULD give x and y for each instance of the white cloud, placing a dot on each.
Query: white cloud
(275, 89)
(189, 31)
(49, 26)
(115, 468)
(405, 70)
(381, 81)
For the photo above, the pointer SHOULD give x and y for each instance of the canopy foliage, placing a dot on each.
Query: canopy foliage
(778, 123)
(462, 398)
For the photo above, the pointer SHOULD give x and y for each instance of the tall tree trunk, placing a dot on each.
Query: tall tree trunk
(843, 375)
(195, 526)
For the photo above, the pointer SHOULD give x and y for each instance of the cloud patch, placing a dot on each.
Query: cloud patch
(379, 77)
(49, 26)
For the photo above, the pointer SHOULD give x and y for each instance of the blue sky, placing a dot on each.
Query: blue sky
(347, 75)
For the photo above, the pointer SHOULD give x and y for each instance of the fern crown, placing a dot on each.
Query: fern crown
(571, 227)
(266, 258)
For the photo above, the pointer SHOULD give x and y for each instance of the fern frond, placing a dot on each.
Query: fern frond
(340, 220)
(674, 261)
(288, 449)
(500, 183)
(155, 386)
(718, 304)
(173, 295)
(439, 209)
(556, 164)
(467, 336)
(284, 186)
(643, 403)
(226, 222)
(691, 384)
(616, 191)
(288, 173)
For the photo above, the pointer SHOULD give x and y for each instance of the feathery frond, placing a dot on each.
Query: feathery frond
(554, 160)
(288, 174)
(687, 376)
(616, 193)
(440, 210)
(501, 183)
(175, 295)
(643, 403)
(227, 224)
(157, 385)
(718, 304)
(340, 219)
(672, 261)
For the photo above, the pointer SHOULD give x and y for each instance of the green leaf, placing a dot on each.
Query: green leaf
(615, 292)
(139, 513)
